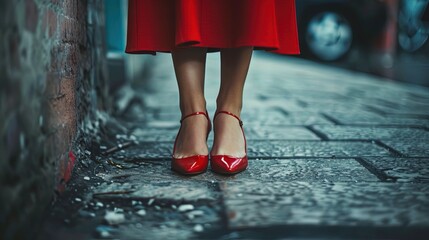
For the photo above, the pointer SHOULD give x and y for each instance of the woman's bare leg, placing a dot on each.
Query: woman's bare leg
(189, 66)
(234, 67)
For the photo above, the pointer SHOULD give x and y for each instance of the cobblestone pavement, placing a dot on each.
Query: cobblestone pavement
(332, 153)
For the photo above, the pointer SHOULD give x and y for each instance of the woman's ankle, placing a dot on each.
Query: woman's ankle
(187, 109)
(230, 106)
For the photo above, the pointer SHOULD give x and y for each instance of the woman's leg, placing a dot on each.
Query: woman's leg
(189, 66)
(234, 67)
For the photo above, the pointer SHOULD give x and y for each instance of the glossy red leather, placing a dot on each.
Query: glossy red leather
(193, 164)
(190, 165)
(226, 164)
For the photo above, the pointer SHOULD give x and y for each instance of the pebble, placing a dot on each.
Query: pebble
(192, 214)
(99, 204)
(197, 212)
(150, 201)
(104, 231)
(104, 234)
(198, 228)
(118, 210)
(86, 178)
(185, 207)
(141, 212)
(114, 218)
(78, 200)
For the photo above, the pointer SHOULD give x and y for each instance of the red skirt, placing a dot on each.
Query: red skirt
(162, 25)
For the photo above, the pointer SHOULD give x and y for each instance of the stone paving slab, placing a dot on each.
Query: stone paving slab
(304, 94)
(373, 119)
(251, 204)
(408, 109)
(362, 133)
(157, 219)
(151, 134)
(257, 149)
(404, 112)
(283, 118)
(311, 169)
(289, 105)
(155, 134)
(164, 222)
(272, 149)
(250, 118)
(403, 169)
(155, 188)
(411, 148)
(318, 106)
(148, 150)
(279, 132)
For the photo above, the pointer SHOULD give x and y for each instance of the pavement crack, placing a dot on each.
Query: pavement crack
(393, 151)
(318, 133)
(378, 173)
(331, 119)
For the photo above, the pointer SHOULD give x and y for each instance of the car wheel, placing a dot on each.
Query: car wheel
(327, 35)
(412, 33)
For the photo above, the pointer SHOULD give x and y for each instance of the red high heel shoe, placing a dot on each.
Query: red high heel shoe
(226, 164)
(193, 164)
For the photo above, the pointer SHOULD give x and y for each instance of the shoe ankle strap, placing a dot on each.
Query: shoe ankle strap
(206, 114)
(229, 113)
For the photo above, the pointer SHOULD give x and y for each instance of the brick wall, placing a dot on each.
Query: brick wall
(52, 77)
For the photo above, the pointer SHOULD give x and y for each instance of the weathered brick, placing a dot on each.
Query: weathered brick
(31, 15)
(44, 43)
(65, 60)
(49, 24)
(70, 8)
(72, 30)
(13, 48)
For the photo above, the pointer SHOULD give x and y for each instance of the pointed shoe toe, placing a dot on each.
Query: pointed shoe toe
(225, 164)
(190, 165)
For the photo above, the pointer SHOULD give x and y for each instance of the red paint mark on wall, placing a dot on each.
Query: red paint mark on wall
(70, 165)
(66, 170)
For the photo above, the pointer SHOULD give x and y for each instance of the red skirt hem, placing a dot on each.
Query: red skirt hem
(163, 25)
(211, 49)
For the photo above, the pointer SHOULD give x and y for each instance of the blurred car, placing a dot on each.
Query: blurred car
(328, 29)
(413, 26)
